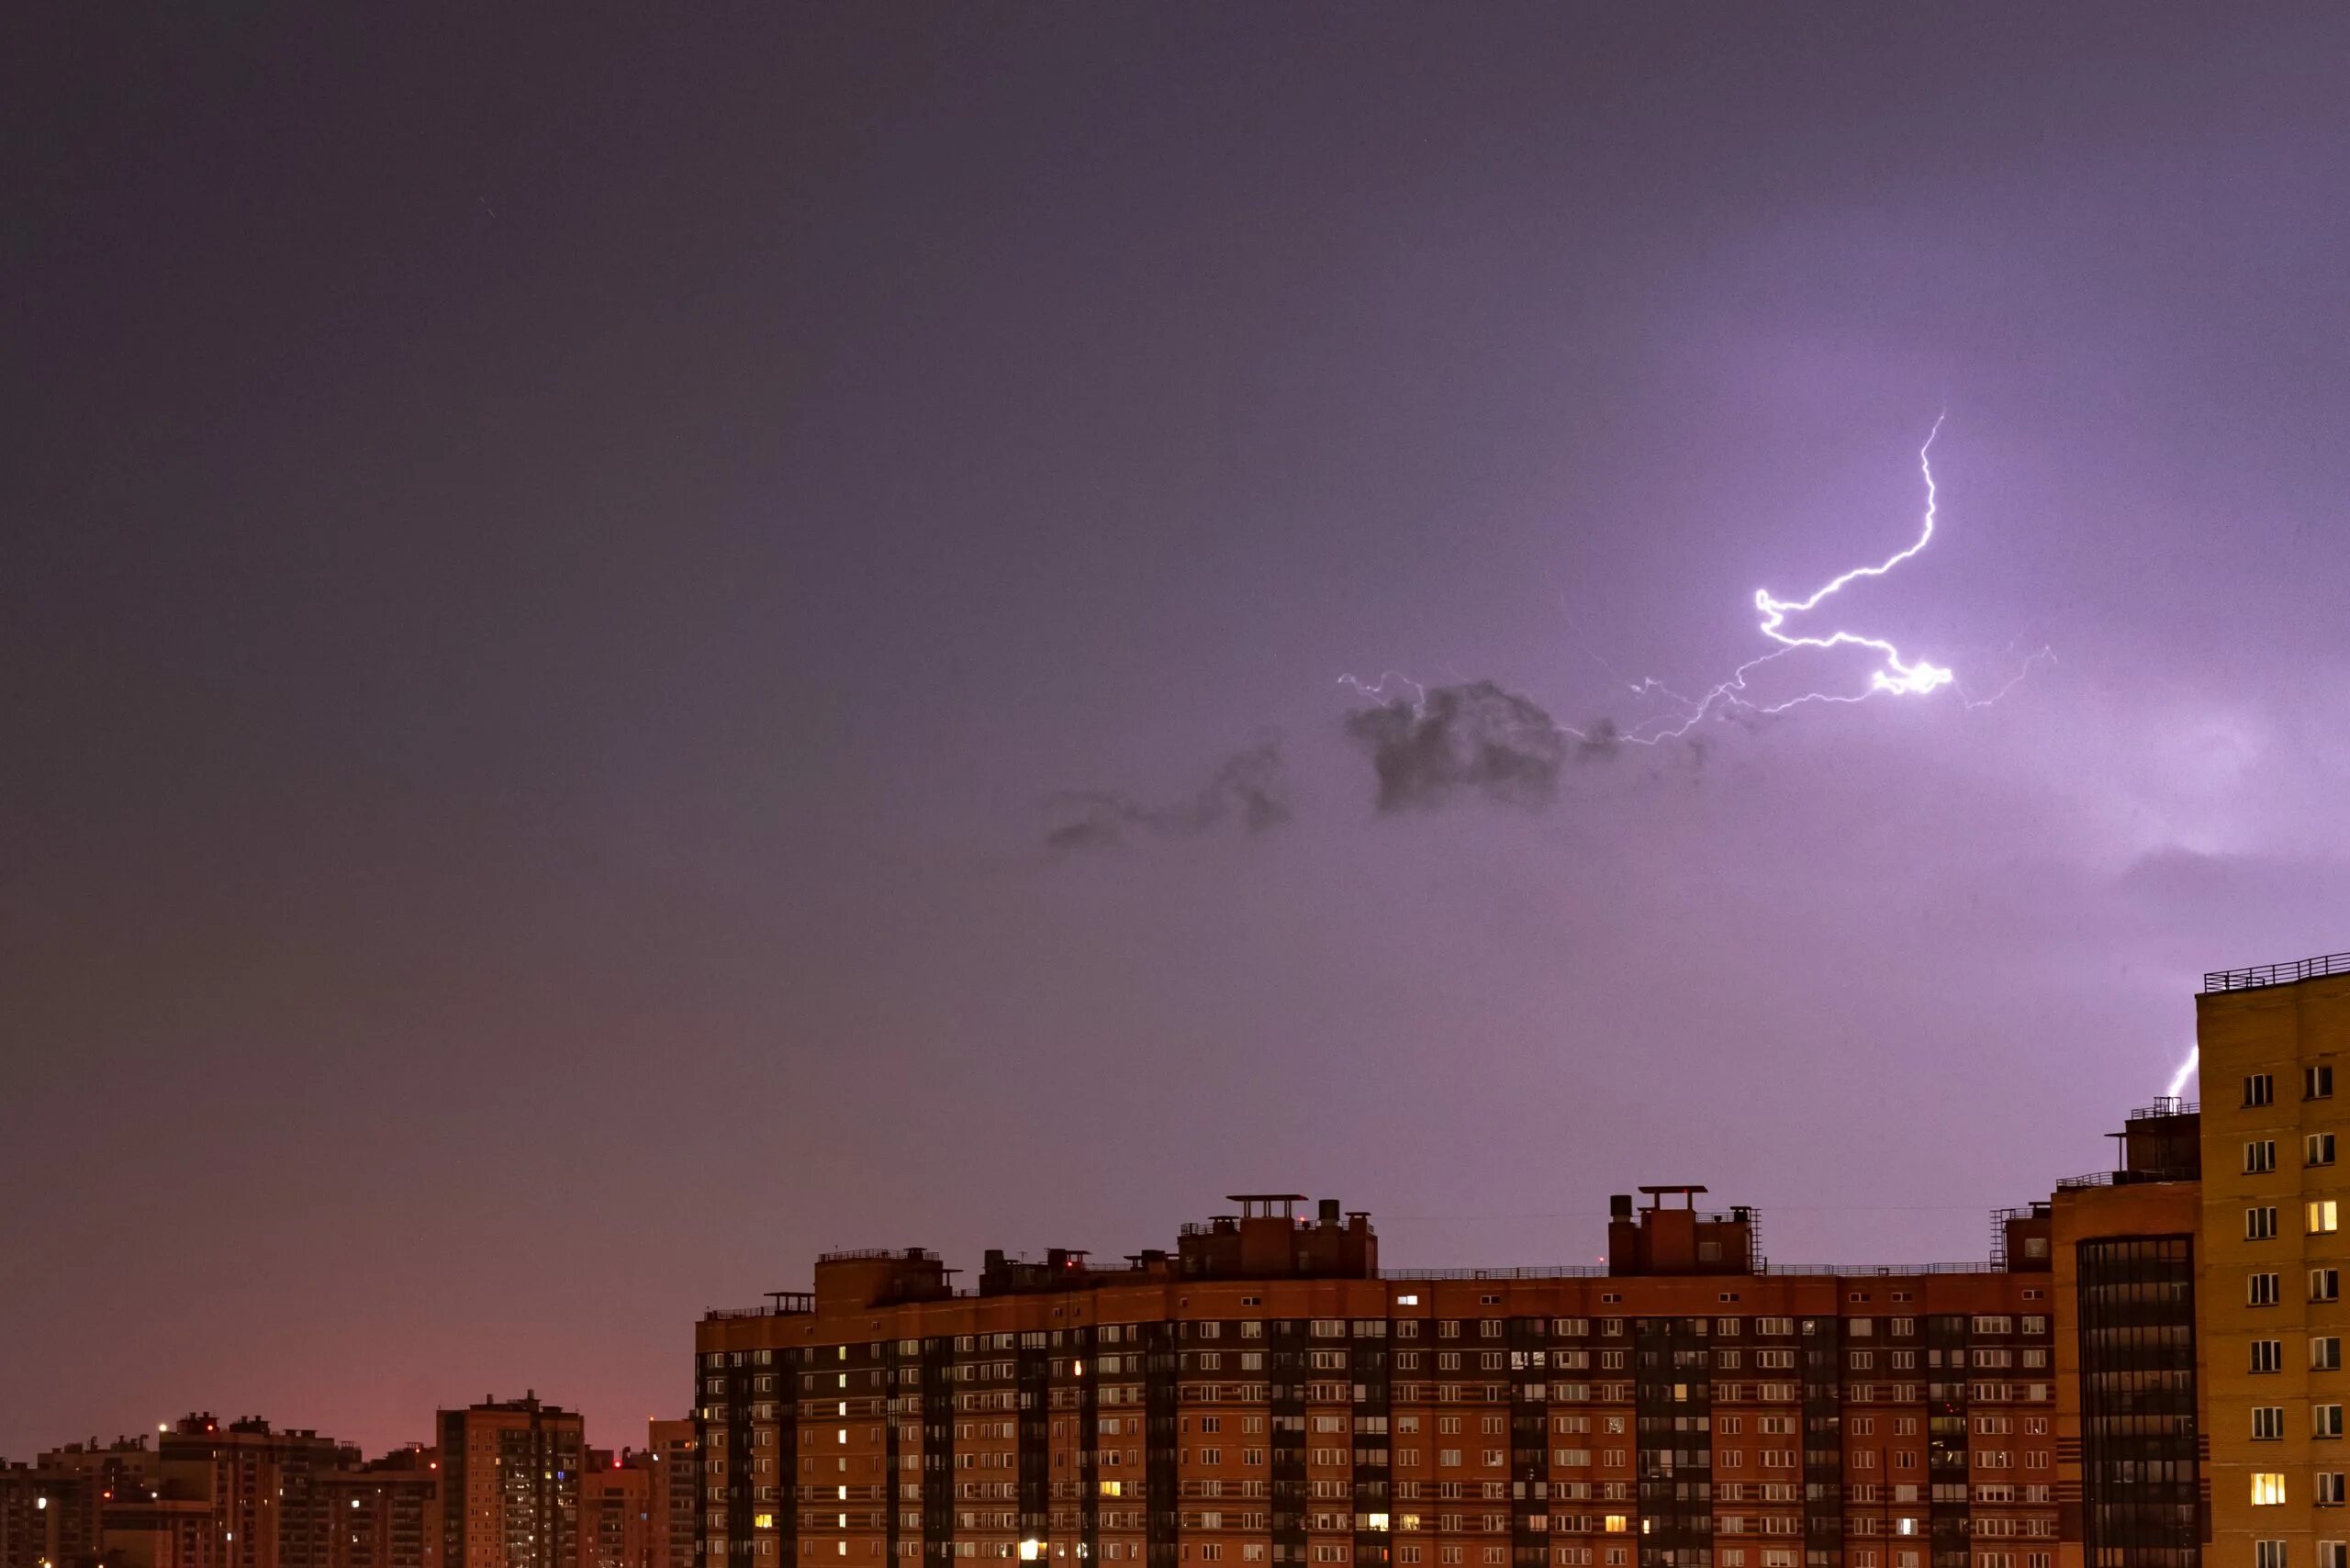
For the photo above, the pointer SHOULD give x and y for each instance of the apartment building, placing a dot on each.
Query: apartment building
(2131, 1435)
(2275, 1197)
(616, 1510)
(509, 1484)
(676, 1500)
(1265, 1393)
(387, 1512)
(264, 1489)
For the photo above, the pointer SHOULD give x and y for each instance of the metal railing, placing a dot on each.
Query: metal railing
(2276, 974)
(2165, 1105)
(2126, 1178)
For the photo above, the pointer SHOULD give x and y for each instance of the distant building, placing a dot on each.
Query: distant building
(676, 1500)
(387, 1512)
(616, 1510)
(265, 1489)
(510, 1484)
(53, 1510)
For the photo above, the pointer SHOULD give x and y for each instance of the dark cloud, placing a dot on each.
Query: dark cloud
(1247, 788)
(1472, 739)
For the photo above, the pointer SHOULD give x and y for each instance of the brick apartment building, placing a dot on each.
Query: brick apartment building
(1265, 1393)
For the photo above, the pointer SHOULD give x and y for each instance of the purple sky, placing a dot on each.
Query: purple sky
(551, 569)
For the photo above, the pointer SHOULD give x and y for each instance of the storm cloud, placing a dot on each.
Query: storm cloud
(1247, 788)
(1475, 739)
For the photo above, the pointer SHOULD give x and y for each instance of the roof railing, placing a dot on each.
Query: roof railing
(2260, 975)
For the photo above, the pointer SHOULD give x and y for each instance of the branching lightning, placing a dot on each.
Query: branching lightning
(1894, 674)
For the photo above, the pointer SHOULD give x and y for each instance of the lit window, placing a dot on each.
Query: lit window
(2321, 1216)
(2268, 1489)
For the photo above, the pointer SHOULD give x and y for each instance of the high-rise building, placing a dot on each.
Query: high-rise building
(2129, 1392)
(616, 1510)
(54, 1510)
(387, 1512)
(509, 1484)
(676, 1498)
(1265, 1393)
(2275, 1200)
(265, 1489)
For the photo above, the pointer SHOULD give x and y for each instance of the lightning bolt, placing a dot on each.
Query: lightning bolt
(2186, 1070)
(1895, 675)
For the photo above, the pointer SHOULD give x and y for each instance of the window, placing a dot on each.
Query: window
(2323, 1220)
(2268, 1553)
(2260, 1088)
(2326, 1353)
(2326, 1420)
(2328, 1489)
(2317, 1082)
(2260, 1290)
(2259, 1224)
(2267, 1488)
(2333, 1553)
(2260, 1155)
(2267, 1355)
(2317, 1149)
(2269, 1423)
(2325, 1284)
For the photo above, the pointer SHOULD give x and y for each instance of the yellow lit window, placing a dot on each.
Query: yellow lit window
(1374, 1521)
(764, 1521)
(2268, 1489)
(1618, 1523)
(1112, 1488)
(2321, 1216)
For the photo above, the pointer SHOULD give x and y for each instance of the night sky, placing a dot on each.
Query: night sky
(566, 578)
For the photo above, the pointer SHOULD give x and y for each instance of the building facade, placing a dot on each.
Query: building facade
(509, 1484)
(616, 1510)
(265, 1490)
(1265, 1394)
(675, 1502)
(2275, 1197)
(387, 1512)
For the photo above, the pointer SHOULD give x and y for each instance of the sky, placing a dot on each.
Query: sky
(619, 628)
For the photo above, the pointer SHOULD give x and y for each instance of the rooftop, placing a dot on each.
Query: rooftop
(2261, 975)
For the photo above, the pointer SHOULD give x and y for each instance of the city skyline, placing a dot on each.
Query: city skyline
(637, 646)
